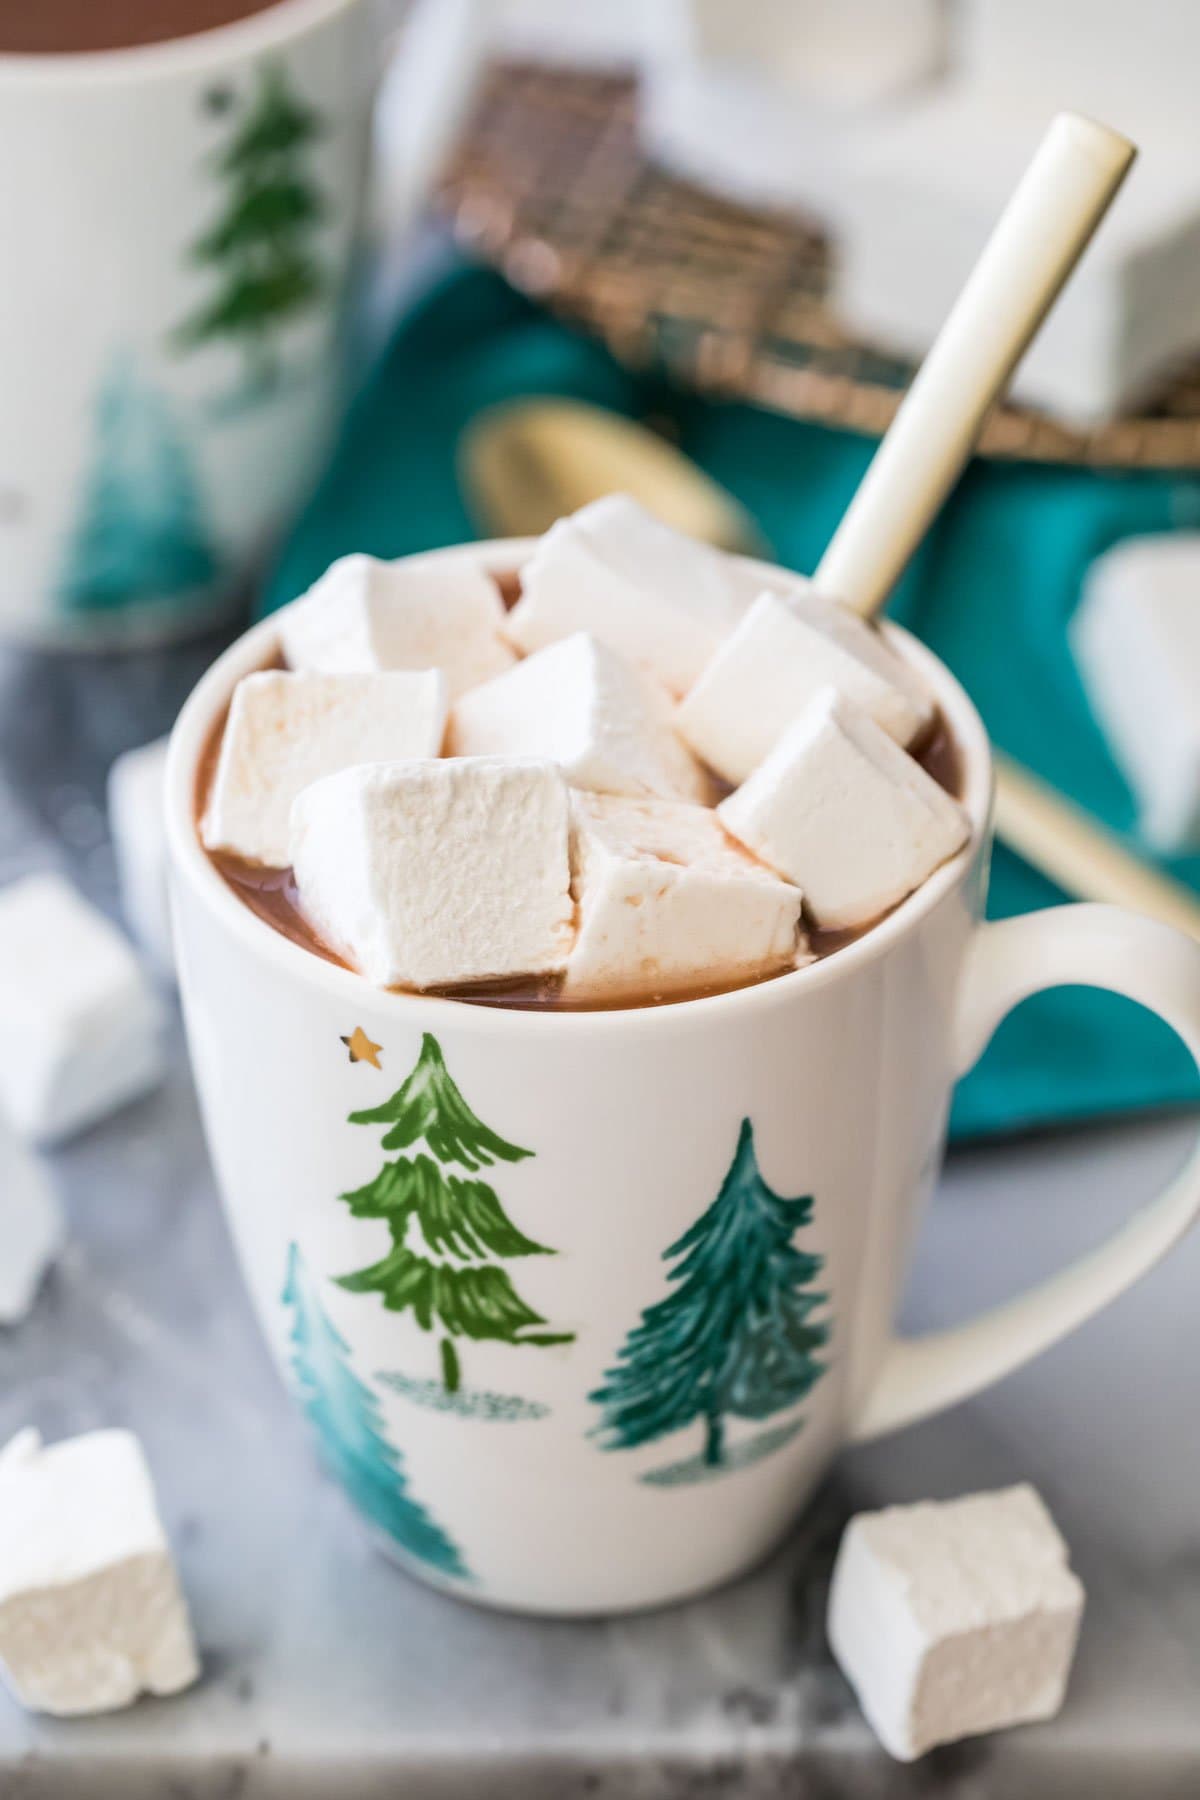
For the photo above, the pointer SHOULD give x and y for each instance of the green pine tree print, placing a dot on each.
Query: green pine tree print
(736, 1336)
(446, 1228)
(348, 1423)
(141, 532)
(260, 248)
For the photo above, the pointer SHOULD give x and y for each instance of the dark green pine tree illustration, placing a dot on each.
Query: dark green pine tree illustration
(446, 1228)
(737, 1333)
(260, 248)
(346, 1417)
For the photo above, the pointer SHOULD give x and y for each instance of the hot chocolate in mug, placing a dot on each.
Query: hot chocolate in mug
(659, 1253)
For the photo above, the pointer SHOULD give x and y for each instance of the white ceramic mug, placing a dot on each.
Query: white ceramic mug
(178, 222)
(581, 1312)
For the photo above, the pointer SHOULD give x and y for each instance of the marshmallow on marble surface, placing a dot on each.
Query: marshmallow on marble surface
(659, 598)
(1136, 638)
(665, 901)
(925, 189)
(785, 651)
(91, 1611)
(579, 704)
(365, 615)
(139, 839)
(287, 730)
(32, 1228)
(438, 874)
(954, 1618)
(80, 1026)
(847, 815)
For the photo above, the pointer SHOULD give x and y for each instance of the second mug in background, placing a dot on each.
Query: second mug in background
(180, 222)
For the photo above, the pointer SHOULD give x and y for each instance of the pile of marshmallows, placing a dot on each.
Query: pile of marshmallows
(467, 796)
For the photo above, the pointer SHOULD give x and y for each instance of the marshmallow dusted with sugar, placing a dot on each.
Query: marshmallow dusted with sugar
(365, 615)
(287, 730)
(80, 1025)
(842, 811)
(1136, 638)
(923, 188)
(32, 1228)
(956, 1617)
(91, 1611)
(657, 597)
(438, 874)
(784, 652)
(581, 705)
(666, 901)
(139, 838)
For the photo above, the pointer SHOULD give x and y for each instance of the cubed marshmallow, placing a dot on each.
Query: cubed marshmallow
(659, 598)
(286, 731)
(80, 1025)
(365, 615)
(91, 1611)
(847, 815)
(32, 1228)
(438, 874)
(926, 187)
(1106, 56)
(785, 651)
(761, 102)
(956, 1617)
(579, 704)
(1136, 637)
(139, 839)
(666, 901)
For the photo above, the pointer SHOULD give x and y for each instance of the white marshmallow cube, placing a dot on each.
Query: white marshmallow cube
(784, 652)
(365, 615)
(954, 1618)
(654, 595)
(847, 815)
(139, 840)
(32, 1227)
(1136, 638)
(91, 1611)
(666, 901)
(438, 874)
(925, 189)
(80, 1025)
(581, 705)
(286, 730)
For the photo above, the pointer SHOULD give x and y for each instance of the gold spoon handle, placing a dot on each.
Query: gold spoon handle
(1058, 838)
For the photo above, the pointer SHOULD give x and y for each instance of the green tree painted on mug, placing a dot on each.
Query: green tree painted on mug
(737, 1333)
(347, 1419)
(140, 532)
(449, 1231)
(260, 247)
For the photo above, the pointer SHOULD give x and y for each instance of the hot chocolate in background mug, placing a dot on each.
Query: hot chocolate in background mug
(580, 1305)
(178, 221)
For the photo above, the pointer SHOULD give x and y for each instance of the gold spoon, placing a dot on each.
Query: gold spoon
(523, 465)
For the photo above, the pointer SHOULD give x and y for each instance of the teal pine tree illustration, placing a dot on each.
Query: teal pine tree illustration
(141, 531)
(736, 1335)
(449, 1231)
(346, 1417)
(259, 250)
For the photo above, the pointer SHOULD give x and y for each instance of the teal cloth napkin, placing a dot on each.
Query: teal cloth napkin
(991, 591)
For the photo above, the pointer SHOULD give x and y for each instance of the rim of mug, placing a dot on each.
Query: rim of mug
(190, 861)
(197, 51)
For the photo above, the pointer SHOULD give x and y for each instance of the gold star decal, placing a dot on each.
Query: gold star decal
(361, 1048)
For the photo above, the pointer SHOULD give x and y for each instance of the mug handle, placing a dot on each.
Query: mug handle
(1090, 946)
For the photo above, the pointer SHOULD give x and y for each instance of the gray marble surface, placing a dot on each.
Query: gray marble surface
(327, 1672)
